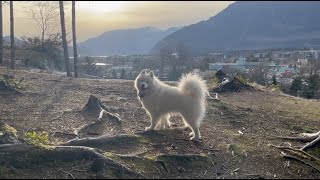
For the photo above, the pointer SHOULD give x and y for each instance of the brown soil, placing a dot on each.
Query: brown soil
(236, 132)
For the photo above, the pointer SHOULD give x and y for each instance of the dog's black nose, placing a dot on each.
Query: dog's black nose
(142, 86)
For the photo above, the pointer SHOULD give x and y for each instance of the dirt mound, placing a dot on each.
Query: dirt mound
(229, 84)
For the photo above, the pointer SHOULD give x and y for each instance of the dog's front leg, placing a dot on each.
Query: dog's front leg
(154, 122)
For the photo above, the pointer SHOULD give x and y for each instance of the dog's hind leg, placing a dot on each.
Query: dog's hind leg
(154, 121)
(195, 133)
(194, 126)
(165, 120)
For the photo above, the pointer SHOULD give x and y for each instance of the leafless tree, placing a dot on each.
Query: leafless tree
(64, 39)
(74, 38)
(1, 35)
(13, 49)
(165, 56)
(183, 55)
(46, 16)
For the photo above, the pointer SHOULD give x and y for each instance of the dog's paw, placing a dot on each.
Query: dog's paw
(166, 126)
(195, 138)
(148, 129)
(191, 134)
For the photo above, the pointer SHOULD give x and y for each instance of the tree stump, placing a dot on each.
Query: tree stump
(93, 105)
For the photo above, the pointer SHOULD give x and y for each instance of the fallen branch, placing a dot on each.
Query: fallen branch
(68, 174)
(296, 151)
(311, 144)
(300, 154)
(298, 159)
(307, 137)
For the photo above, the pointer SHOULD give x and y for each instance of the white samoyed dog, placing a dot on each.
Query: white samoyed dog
(160, 100)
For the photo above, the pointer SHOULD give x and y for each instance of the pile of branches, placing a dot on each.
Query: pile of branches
(229, 84)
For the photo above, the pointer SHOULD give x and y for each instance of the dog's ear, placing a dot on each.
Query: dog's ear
(151, 74)
(143, 71)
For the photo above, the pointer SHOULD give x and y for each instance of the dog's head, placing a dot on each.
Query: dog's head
(144, 83)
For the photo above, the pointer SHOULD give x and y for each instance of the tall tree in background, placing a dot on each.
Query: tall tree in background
(64, 39)
(1, 35)
(13, 49)
(46, 16)
(74, 38)
(123, 74)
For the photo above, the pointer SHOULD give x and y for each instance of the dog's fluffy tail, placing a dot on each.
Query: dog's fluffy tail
(192, 84)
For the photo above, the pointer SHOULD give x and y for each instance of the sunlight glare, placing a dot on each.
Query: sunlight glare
(101, 6)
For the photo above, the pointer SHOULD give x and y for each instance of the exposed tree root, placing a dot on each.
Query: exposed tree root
(301, 160)
(95, 141)
(306, 137)
(95, 106)
(311, 144)
(15, 147)
(69, 153)
(301, 154)
(77, 148)
(296, 151)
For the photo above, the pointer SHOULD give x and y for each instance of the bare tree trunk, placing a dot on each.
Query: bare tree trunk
(64, 39)
(1, 35)
(42, 40)
(74, 38)
(13, 49)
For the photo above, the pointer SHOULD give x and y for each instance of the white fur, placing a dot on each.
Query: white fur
(160, 100)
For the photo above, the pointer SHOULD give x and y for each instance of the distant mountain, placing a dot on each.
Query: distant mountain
(251, 25)
(7, 39)
(124, 41)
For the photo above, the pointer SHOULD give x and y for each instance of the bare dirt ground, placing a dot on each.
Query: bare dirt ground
(236, 132)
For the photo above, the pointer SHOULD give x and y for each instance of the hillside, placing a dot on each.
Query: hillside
(124, 41)
(251, 25)
(54, 104)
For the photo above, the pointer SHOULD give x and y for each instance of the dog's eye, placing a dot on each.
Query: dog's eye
(144, 85)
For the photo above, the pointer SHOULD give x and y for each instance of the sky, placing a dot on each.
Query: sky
(96, 17)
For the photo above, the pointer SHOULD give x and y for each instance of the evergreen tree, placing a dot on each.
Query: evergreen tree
(123, 74)
(296, 85)
(114, 74)
(312, 87)
(274, 80)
